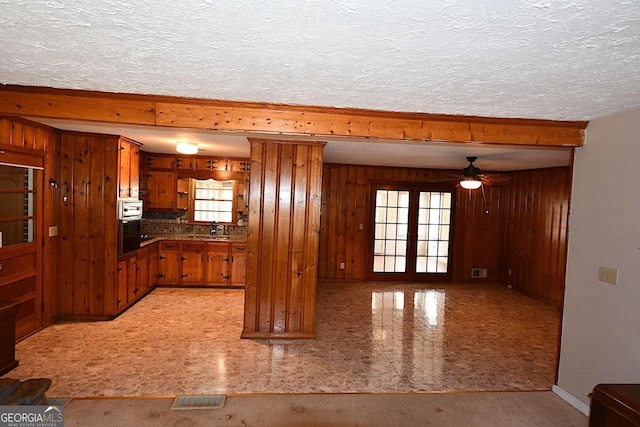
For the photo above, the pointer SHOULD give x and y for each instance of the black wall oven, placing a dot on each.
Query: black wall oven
(129, 226)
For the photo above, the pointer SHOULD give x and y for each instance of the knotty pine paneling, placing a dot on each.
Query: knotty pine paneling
(282, 239)
(535, 250)
(88, 224)
(346, 204)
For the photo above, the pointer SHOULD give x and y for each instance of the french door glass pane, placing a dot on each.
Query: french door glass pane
(390, 231)
(434, 216)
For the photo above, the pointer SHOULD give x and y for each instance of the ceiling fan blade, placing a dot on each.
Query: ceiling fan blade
(495, 180)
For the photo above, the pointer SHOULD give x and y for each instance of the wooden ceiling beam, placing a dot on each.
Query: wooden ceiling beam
(279, 119)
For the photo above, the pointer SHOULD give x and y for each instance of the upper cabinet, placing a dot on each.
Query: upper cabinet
(165, 179)
(128, 169)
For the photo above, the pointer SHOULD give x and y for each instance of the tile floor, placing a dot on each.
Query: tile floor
(372, 337)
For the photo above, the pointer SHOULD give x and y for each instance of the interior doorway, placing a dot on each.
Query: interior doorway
(411, 233)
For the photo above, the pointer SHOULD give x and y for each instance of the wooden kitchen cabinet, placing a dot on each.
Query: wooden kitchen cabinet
(161, 190)
(169, 263)
(142, 271)
(128, 169)
(238, 264)
(154, 259)
(158, 161)
(192, 262)
(187, 263)
(218, 264)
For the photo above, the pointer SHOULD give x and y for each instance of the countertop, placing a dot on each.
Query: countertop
(233, 238)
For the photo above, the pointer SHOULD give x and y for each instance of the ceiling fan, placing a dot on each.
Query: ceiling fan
(472, 179)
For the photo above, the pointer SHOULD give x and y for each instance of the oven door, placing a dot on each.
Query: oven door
(129, 236)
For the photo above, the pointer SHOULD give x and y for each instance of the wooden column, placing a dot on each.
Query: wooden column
(282, 239)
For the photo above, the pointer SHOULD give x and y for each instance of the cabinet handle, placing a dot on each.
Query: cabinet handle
(183, 258)
(226, 277)
(183, 275)
(225, 259)
(161, 257)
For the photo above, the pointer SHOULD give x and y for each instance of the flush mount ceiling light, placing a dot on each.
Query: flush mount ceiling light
(186, 147)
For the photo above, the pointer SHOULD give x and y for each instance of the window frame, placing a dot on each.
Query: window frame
(192, 201)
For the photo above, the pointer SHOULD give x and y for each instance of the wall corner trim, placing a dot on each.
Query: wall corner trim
(571, 400)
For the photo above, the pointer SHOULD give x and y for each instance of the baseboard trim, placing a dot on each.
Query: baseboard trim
(571, 400)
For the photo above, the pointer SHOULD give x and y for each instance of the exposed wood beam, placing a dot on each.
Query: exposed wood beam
(279, 119)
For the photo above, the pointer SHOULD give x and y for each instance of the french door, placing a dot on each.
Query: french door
(411, 233)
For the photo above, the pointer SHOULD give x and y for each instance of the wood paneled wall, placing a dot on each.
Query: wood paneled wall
(522, 227)
(536, 233)
(346, 205)
(88, 224)
(282, 239)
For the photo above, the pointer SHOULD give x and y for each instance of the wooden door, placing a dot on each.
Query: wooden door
(162, 190)
(217, 264)
(238, 264)
(192, 263)
(169, 263)
(411, 233)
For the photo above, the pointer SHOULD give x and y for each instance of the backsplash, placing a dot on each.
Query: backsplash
(158, 223)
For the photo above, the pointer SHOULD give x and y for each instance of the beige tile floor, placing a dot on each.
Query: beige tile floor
(372, 337)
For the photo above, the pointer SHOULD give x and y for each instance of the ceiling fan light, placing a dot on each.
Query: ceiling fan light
(186, 147)
(470, 184)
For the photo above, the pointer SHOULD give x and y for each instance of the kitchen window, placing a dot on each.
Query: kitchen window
(213, 201)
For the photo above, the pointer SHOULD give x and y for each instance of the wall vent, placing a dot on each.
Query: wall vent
(479, 273)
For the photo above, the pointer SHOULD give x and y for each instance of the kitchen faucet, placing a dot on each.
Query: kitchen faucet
(213, 230)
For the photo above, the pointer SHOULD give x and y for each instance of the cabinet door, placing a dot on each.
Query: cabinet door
(185, 162)
(192, 263)
(124, 169)
(238, 264)
(154, 161)
(154, 254)
(169, 263)
(202, 163)
(134, 172)
(218, 264)
(132, 283)
(142, 271)
(162, 190)
(123, 279)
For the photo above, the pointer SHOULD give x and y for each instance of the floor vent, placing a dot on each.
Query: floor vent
(479, 273)
(215, 401)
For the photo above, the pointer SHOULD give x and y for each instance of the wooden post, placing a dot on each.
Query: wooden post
(282, 239)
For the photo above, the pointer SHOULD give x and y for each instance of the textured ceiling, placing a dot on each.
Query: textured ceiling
(550, 59)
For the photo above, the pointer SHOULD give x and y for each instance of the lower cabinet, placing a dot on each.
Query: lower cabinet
(192, 263)
(238, 264)
(218, 264)
(137, 274)
(213, 264)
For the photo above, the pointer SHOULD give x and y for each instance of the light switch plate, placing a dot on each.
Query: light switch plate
(53, 231)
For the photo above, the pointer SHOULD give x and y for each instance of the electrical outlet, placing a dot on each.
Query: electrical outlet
(608, 275)
(360, 226)
(342, 266)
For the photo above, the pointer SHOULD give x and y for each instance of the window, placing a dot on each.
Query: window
(17, 205)
(213, 201)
